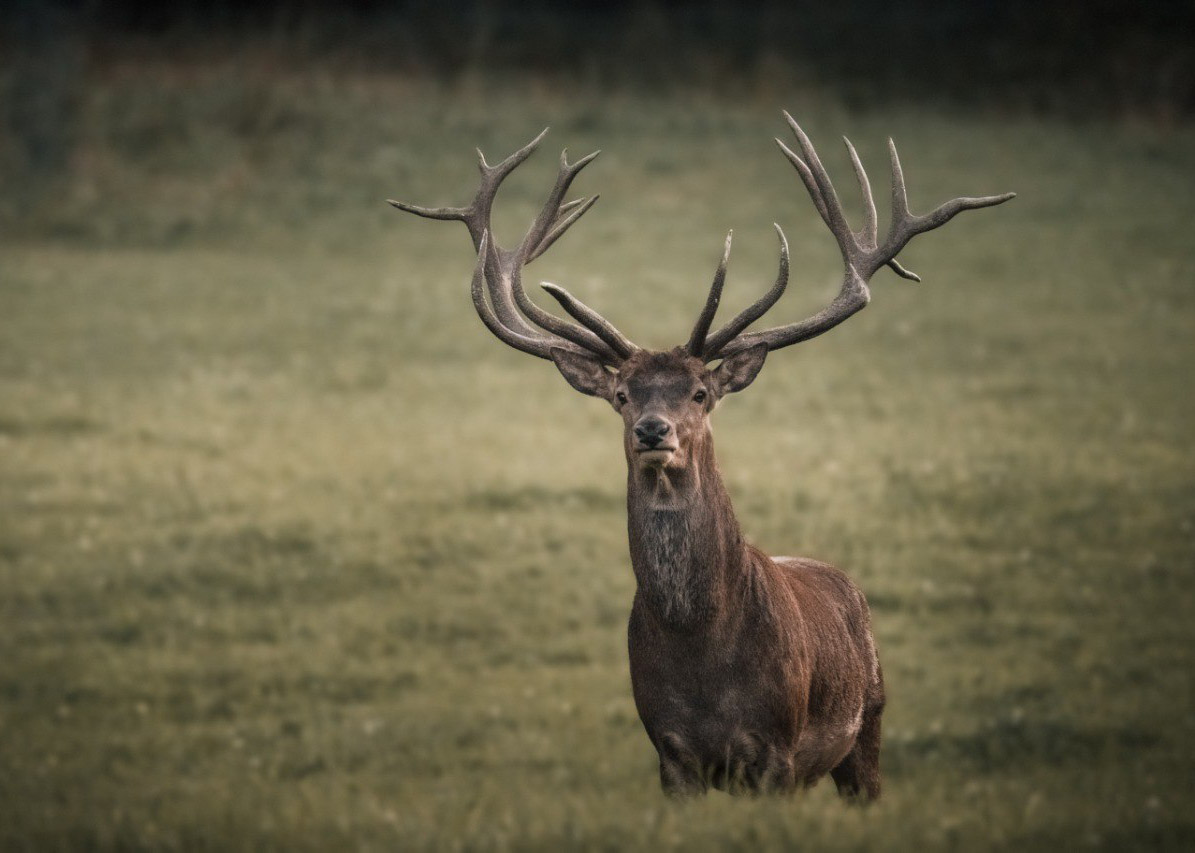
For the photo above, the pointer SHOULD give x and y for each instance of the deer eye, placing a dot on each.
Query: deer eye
(699, 397)
(620, 397)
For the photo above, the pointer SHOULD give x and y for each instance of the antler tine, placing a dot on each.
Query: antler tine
(553, 219)
(870, 233)
(696, 343)
(895, 266)
(514, 160)
(834, 216)
(444, 213)
(811, 186)
(594, 321)
(720, 338)
(901, 216)
(582, 337)
(900, 196)
(569, 205)
(946, 211)
(861, 254)
(563, 223)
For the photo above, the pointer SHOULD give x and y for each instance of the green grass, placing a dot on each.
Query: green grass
(294, 555)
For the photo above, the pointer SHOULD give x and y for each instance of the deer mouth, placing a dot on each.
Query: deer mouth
(655, 455)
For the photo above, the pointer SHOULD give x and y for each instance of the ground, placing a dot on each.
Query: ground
(295, 555)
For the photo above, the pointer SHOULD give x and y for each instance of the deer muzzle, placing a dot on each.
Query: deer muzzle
(654, 434)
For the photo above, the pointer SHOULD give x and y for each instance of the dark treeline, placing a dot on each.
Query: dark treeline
(1074, 58)
(1067, 55)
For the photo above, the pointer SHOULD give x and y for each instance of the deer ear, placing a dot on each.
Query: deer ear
(739, 370)
(584, 372)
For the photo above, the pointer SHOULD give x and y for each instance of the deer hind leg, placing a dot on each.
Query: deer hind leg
(763, 768)
(743, 766)
(858, 775)
(680, 770)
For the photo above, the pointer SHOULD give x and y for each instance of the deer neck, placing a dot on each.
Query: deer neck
(686, 546)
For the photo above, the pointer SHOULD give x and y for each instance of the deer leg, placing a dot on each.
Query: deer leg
(741, 768)
(680, 771)
(759, 767)
(858, 775)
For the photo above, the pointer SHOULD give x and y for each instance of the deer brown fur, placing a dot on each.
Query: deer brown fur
(749, 672)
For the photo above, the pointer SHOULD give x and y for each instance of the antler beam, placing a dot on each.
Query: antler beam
(862, 253)
(511, 315)
(509, 310)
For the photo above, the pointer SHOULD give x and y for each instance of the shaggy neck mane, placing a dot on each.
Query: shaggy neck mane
(686, 546)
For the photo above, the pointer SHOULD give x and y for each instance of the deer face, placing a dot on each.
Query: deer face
(664, 398)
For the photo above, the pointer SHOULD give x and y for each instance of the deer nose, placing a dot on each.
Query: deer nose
(651, 430)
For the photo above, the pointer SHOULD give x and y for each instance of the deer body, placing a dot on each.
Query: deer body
(748, 672)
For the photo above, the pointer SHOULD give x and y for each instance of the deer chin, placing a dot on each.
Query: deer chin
(656, 457)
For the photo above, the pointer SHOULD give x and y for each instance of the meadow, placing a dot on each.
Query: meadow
(295, 556)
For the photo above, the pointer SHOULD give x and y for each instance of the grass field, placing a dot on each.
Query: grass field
(294, 555)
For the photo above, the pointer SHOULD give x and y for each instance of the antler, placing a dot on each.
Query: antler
(862, 254)
(501, 269)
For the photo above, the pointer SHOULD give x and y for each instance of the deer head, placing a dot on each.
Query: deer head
(665, 398)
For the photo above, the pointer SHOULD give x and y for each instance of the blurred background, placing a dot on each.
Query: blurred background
(295, 555)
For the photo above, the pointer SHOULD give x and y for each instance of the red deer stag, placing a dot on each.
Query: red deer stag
(749, 672)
